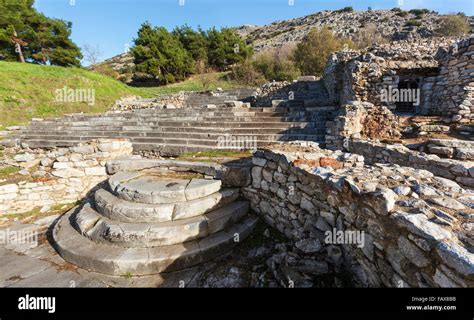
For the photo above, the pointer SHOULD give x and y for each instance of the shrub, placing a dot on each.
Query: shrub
(453, 25)
(273, 64)
(277, 64)
(312, 54)
(402, 14)
(396, 9)
(419, 12)
(245, 73)
(346, 9)
(413, 23)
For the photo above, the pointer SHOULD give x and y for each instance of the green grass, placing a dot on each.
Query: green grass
(6, 171)
(35, 213)
(28, 90)
(197, 83)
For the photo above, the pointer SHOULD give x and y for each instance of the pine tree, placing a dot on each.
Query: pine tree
(29, 36)
(159, 53)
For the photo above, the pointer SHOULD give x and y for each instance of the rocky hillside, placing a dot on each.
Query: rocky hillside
(387, 24)
(391, 25)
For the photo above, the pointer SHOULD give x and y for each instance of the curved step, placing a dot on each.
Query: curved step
(139, 187)
(118, 209)
(100, 229)
(114, 260)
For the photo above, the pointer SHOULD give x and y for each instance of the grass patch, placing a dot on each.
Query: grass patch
(203, 82)
(6, 171)
(35, 213)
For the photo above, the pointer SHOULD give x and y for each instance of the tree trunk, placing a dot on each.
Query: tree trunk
(18, 49)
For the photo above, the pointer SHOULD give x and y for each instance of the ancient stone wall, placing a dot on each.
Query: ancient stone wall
(446, 148)
(385, 225)
(376, 152)
(442, 68)
(358, 120)
(63, 175)
(453, 90)
(310, 92)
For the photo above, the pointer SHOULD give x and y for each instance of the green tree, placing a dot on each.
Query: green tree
(312, 54)
(195, 42)
(226, 48)
(160, 54)
(29, 36)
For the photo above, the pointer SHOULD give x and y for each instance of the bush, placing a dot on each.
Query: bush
(245, 73)
(419, 12)
(312, 54)
(277, 64)
(346, 9)
(273, 64)
(402, 14)
(396, 9)
(413, 23)
(453, 25)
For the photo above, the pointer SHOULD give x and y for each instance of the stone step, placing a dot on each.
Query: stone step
(160, 132)
(142, 115)
(172, 136)
(161, 121)
(165, 149)
(151, 121)
(211, 140)
(169, 114)
(118, 209)
(139, 187)
(144, 235)
(155, 125)
(119, 261)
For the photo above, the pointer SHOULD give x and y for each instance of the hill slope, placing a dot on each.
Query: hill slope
(391, 25)
(29, 91)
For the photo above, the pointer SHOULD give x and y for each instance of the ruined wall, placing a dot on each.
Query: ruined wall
(375, 152)
(278, 93)
(63, 175)
(358, 120)
(408, 240)
(453, 90)
(442, 68)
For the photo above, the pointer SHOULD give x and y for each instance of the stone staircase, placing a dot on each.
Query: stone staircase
(171, 132)
(200, 99)
(146, 222)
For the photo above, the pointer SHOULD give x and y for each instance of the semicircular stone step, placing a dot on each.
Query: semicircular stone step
(115, 260)
(98, 228)
(138, 187)
(118, 209)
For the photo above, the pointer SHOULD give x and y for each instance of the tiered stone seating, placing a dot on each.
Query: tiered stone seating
(174, 131)
(145, 223)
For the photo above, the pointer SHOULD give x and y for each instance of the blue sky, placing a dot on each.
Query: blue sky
(111, 25)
